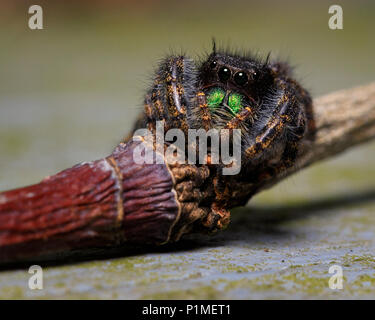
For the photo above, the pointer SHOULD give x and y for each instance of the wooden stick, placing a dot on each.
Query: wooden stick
(93, 204)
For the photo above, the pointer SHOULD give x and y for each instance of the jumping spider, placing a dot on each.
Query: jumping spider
(233, 91)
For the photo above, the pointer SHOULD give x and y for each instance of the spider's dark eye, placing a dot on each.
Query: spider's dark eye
(240, 78)
(213, 64)
(224, 74)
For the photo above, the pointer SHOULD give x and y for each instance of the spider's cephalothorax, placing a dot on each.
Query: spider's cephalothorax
(259, 97)
(231, 91)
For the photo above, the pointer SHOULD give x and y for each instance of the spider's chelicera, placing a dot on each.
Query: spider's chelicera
(232, 91)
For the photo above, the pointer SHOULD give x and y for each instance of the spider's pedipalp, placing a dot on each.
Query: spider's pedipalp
(238, 120)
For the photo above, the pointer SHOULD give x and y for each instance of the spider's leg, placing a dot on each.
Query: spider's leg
(173, 71)
(295, 133)
(286, 108)
(309, 113)
(154, 104)
(179, 75)
(171, 93)
(302, 126)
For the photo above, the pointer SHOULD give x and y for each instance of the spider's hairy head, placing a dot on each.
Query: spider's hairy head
(232, 82)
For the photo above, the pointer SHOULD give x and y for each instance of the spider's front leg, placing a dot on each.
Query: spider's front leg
(170, 96)
(284, 130)
(175, 99)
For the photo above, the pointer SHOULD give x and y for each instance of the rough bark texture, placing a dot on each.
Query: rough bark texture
(94, 204)
(115, 200)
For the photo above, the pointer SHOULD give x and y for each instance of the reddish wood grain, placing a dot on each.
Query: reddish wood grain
(95, 204)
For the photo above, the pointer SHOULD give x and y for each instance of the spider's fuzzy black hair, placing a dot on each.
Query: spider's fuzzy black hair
(239, 53)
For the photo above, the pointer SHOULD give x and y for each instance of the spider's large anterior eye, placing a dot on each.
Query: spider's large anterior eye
(240, 78)
(215, 97)
(224, 74)
(235, 102)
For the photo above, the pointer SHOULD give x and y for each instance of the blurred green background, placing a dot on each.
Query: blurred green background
(82, 78)
(70, 92)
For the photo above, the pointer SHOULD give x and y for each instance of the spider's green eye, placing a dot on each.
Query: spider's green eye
(215, 97)
(234, 102)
